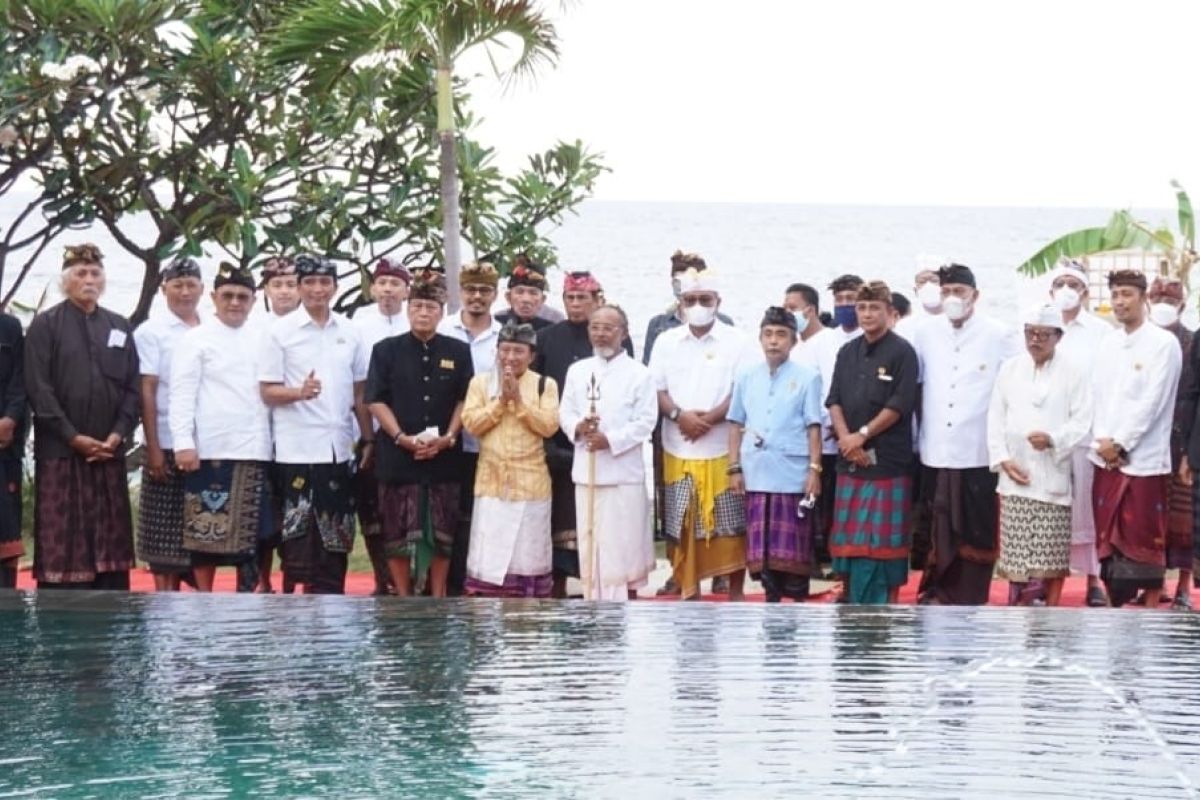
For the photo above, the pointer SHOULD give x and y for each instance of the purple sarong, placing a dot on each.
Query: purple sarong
(775, 536)
(514, 586)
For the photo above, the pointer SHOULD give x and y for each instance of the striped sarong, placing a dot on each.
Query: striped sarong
(870, 518)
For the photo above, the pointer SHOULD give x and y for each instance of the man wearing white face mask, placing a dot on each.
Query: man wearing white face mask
(1166, 296)
(960, 355)
(928, 291)
(1082, 332)
(694, 367)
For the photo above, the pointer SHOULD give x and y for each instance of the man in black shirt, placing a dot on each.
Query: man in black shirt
(12, 447)
(81, 373)
(871, 400)
(415, 390)
(526, 295)
(560, 346)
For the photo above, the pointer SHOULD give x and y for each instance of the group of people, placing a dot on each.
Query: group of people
(503, 454)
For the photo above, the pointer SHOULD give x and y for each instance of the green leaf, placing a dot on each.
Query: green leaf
(1076, 244)
(1187, 219)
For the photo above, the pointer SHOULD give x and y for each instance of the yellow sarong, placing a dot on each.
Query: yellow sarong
(693, 560)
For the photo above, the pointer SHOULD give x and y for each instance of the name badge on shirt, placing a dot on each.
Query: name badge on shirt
(446, 363)
(116, 338)
(883, 376)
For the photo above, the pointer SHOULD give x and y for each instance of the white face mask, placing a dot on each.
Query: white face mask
(955, 308)
(1163, 314)
(1066, 298)
(930, 296)
(699, 316)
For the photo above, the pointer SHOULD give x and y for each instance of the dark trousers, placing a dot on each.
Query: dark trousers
(462, 535)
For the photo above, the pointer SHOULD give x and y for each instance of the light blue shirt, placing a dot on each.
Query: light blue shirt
(775, 411)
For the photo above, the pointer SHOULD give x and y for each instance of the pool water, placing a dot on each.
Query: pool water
(112, 695)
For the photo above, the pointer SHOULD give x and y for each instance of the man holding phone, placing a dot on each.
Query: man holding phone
(871, 400)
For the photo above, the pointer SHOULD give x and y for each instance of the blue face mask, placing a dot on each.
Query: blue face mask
(845, 317)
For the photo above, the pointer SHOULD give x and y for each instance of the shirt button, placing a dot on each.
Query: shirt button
(952, 405)
(425, 378)
(426, 398)
(949, 424)
(424, 358)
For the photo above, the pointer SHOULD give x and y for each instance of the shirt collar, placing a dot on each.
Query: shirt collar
(301, 318)
(457, 322)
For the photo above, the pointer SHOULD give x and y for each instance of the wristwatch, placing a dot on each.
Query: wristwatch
(864, 432)
(675, 412)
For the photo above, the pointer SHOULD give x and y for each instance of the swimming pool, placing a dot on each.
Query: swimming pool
(112, 695)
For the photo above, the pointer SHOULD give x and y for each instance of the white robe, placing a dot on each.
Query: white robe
(621, 556)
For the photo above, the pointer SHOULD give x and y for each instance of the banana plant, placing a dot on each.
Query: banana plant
(1125, 232)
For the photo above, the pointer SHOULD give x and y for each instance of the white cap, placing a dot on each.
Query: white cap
(1066, 266)
(928, 262)
(698, 281)
(1044, 317)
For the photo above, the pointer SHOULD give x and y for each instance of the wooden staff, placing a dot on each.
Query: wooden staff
(593, 396)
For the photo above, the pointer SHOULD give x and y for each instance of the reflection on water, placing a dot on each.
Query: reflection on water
(237, 695)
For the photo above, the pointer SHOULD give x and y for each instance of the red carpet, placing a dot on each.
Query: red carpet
(362, 583)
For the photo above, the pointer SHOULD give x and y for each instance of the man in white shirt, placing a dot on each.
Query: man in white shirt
(475, 325)
(615, 541)
(1041, 409)
(160, 505)
(1082, 332)
(378, 321)
(928, 291)
(281, 294)
(312, 371)
(960, 354)
(385, 317)
(222, 433)
(819, 349)
(280, 291)
(694, 369)
(1135, 400)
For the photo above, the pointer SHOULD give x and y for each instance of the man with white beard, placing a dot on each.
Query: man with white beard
(1082, 332)
(616, 545)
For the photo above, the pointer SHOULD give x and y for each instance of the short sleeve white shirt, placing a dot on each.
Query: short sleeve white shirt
(698, 374)
(483, 355)
(155, 340)
(320, 430)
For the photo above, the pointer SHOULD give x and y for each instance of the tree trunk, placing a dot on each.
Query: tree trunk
(149, 289)
(448, 166)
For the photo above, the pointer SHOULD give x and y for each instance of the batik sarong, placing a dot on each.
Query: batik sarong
(318, 524)
(871, 536)
(227, 511)
(82, 523)
(1179, 525)
(418, 521)
(160, 522)
(779, 543)
(1131, 531)
(964, 536)
(11, 545)
(706, 519)
(1035, 539)
(370, 525)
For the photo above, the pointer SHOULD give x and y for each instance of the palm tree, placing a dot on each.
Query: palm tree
(1124, 232)
(330, 36)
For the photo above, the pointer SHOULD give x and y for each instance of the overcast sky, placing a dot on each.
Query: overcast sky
(1020, 102)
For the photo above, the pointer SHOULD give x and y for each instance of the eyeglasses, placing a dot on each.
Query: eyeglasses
(1039, 335)
(479, 290)
(706, 300)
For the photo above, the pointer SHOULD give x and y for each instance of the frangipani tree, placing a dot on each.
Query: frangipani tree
(1125, 232)
(334, 37)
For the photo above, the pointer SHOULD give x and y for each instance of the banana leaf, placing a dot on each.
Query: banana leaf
(1187, 220)
(1123, 232)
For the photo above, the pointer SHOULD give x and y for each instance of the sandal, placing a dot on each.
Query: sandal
(1096, 598)
(1182, 602)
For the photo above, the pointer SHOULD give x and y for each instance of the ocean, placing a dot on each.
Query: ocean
(756, 249)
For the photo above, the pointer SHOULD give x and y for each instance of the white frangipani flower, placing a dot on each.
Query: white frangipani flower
(71, 68)
(177, 35)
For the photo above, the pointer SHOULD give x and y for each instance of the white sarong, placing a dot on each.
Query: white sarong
(1083, 523)
(623, 557)
(509, 537)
